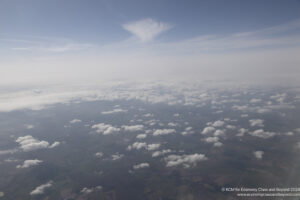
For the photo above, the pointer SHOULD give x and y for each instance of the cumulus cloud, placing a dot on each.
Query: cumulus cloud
(137, 145)
(99, 154)
(141, 136)
(219, 133)
(146, 29)
(163, 132)
(141, 166)
(105, 129)
(188, 131)
(29, 126)
(207, 130)
(117, 156)
(256, 122)
(133, 128)
(152, 147)
(258, 154)
(28, 143)
(241, 132)
(160, 153)
(29, 163)
(41, 189)
(86, 190)
(218, 144)
(73, 121)
(55, 144)
(254, 100)
(211, 139)
(218, 123)
(8, 151)
(116, 110)
(185, 160)
(262, 134)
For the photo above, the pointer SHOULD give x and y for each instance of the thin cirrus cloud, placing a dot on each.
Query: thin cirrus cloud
(146, 29)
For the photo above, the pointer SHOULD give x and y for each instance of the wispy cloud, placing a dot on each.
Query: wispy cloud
(146, 29)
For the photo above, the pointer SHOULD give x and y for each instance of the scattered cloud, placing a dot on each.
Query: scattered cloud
(29, 143)
(218, 123)
(133, 128)
(146, 29)
(105, 129)
(256, 122)
(141, 166)
(219, 133)
(116, 110)
(185, 160)
(29, 126)
(262, 134)
(73, 121)
(117, 156)
(29, 163)
(188, 131)
(242, 132)
(152, 147)
(163, 132)
(86, 190)
(137, 145)
(258, 154)
(141, 136)
(99, 154)
(8, 151)
(207, 130)
(55, 144)
(211, 139)
(160, 153)
(41, 189)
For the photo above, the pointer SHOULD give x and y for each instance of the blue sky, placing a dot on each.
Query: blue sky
(162, 35)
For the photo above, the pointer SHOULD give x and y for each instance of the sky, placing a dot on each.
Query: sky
(43, 41)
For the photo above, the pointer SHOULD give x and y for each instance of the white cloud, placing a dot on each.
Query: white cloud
(141, 166)
(218, 123)
(141, 136)
(41, 189)
(242, 132)
(8, 151)
(207, 130)
(188, 131)
(99, 154)
(29, 126)
(117, 156)
(211, 139)
(219, 133)
(116, 110)
(256, 122)
(29, 163)
(137, 145)
(218, 144)
(163, 132)
(55, 144)
(73, 121)
(105, 129)
(262, 134)
(258, 154)
(133, 128)
(28, 143)
(254, 100)
(86, 190)
(185, 160)
(146, 29)
(162, 152)
(152, 147)
(172, 124)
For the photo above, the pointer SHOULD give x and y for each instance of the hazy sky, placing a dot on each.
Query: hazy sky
(80, 40)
